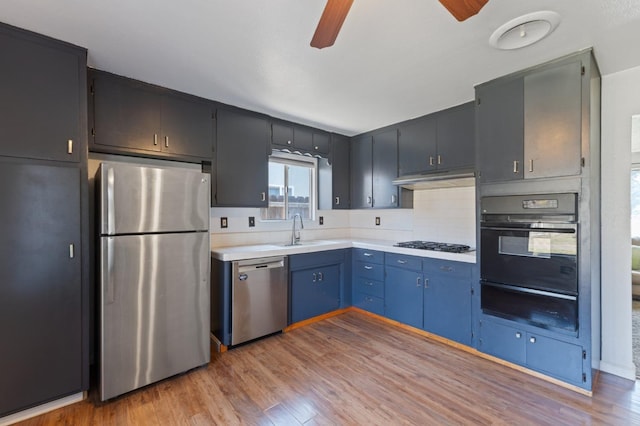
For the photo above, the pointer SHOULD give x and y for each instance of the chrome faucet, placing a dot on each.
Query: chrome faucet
(295, 237)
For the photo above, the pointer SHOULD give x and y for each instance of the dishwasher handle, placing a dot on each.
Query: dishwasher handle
(258, 264)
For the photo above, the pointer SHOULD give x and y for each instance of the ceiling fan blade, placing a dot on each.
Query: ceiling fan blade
(463, 9)
(330, 23)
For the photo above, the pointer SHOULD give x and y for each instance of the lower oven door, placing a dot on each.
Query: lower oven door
(543, 309)
(542, 258)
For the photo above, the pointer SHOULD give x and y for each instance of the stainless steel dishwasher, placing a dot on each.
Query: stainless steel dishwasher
(259, 298)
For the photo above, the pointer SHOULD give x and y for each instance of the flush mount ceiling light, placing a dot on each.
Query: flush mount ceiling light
(524, 30)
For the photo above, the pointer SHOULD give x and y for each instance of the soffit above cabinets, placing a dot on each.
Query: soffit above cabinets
(392, 60)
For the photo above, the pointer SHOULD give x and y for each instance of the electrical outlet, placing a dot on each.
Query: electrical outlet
(252, 221)
(377, 220)
(321, 220)
(224, 223)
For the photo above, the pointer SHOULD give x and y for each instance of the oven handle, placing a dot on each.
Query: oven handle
(564, 229)
(529, 290)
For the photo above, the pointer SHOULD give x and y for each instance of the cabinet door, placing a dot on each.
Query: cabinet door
(314, 292)
(340, 170)
(40, 285)
(500, 125)
(282, 135)
(456, 138)
(303, 139)
(321, 143)
(41, 94)
(242, 161)
(187, 126)
(361, 173)
(417, 146)
(502, 341)
(403, 296)
(552, 121)
(447, 308)
(559, 359)
(385, 169)
(127, 114)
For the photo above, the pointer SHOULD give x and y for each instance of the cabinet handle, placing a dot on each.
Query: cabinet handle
(367, 254)
(518, 335)
(531, 165)
(320, 276)
(369, 283)
(402, 261)
(431, 161)
(446, 268)
(368, 299)
(532, 339)
(263, 196)
(369, 200)
(288, 142)
(155, 139)
(315, 277)
(337, 201)
(70, 146)
(418, 283)
(393, 199)
(426, 283)
(515, 166)
(368, 268)
(72, 252)
(166, 141)
(316, 148)
(439, 159)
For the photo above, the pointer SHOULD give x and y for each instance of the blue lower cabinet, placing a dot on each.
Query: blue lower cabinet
(314, 292)
(369, 303)
(403, 296)
(447, 308)
(503, 342)
(556, 358)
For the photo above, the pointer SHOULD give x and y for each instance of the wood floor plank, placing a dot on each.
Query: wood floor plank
(355, 369)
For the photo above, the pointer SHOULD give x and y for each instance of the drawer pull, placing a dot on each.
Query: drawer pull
(401, 261)
(532, 339)
(366, 254)
(446, 268)
(368, 268)
(518, 335)
(369, 284)
(368, 299)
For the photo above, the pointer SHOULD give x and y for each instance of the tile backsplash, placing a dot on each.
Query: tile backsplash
(446, 215)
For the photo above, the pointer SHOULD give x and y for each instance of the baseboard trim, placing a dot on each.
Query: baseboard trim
(41, 409)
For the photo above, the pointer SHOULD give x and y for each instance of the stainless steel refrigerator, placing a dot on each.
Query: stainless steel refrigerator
(154, 273)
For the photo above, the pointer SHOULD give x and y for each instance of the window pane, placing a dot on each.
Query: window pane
(276, 192)
(299, 191)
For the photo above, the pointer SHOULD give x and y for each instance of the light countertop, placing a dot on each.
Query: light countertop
(310, 246)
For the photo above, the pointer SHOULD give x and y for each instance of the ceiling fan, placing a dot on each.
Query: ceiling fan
(336, 11)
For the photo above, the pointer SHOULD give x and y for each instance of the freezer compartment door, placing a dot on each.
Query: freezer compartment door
(141, 199)
(155, 308)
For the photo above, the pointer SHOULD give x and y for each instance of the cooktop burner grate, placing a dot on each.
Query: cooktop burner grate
(435, 246)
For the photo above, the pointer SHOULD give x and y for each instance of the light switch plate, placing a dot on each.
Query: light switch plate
(321, 220)
(377, 220)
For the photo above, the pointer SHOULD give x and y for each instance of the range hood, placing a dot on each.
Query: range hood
(450, 179)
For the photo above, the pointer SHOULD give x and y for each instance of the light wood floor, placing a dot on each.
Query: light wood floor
(354, 369)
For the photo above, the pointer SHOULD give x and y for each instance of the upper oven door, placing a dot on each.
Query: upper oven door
(543, 258)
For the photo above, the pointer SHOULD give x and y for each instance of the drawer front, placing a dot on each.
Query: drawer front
(551, 356)
(369, 303)
(369, 256)
(403, 261)
(502, 341)
(372, 271)
(447, 268)
(370, 287)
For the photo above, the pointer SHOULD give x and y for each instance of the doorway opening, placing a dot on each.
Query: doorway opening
(635, 240)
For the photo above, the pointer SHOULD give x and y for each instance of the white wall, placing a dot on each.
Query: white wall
(620, 100)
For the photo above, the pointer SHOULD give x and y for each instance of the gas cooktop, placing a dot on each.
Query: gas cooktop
(435, 246)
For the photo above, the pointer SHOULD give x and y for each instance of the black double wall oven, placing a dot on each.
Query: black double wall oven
(529, 259)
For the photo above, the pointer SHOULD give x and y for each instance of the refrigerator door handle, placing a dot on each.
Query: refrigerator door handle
(107, 271)
(108, 207)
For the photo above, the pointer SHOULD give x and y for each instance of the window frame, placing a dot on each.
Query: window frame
(287, 159)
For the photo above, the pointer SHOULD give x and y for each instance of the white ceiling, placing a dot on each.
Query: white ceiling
(393, 59)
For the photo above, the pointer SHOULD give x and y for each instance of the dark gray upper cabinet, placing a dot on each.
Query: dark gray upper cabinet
(530, 125)
(361, 158)
(241, 159)
(456, 137)
(295, 138)
(417, 146)
(500, 124)
(140, 119)
(385, 169)
(441, 141)
(552, 121)
(40, 284)
(340, 170)
(42, 97)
